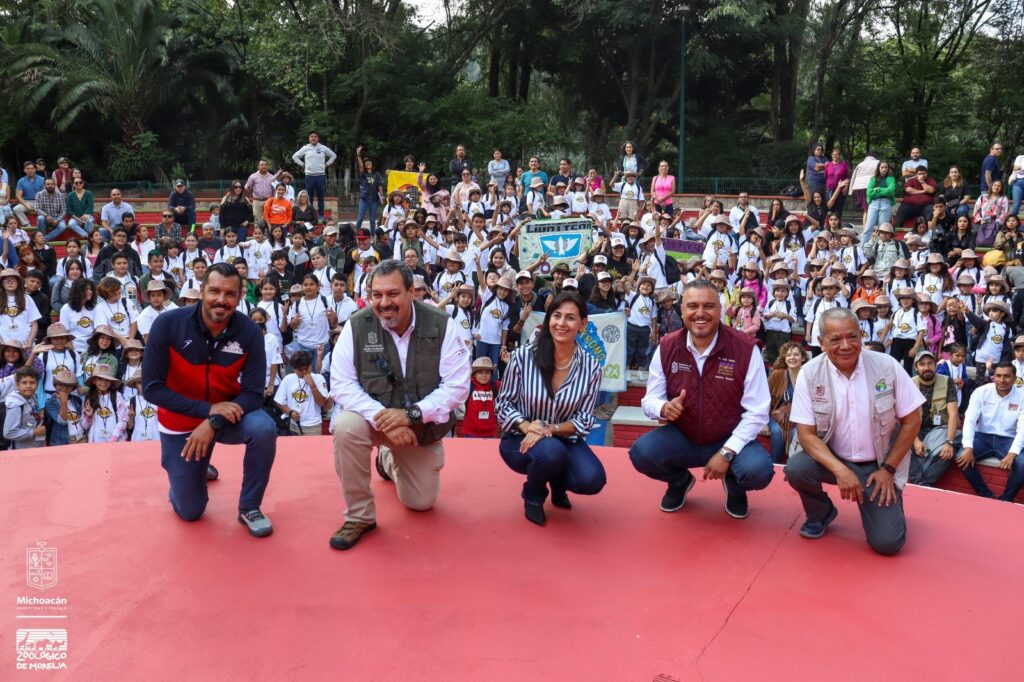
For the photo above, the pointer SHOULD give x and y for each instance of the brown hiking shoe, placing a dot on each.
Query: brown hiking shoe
(348, 535)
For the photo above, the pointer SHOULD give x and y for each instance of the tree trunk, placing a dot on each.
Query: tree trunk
(513, 70)
(494, 77)
(524, 79)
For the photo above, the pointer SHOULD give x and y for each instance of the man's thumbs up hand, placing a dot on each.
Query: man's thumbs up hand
(673, 409)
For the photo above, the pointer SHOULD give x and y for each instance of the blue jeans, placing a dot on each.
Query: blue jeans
(489, 350)
(665, 454)
(316, 185)
(44, 227)
(779, 441)
(188, 478)
(879, 211)
(83, 229)
(1017, 190)
(990, 445)
(563, 464)
(367, 207)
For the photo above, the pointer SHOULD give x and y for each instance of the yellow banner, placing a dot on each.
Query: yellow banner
(403, 181)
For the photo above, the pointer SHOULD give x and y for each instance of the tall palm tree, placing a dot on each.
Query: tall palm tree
(119, 59)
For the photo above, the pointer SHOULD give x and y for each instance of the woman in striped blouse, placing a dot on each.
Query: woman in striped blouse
(546, 409)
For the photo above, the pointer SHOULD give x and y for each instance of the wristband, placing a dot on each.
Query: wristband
(888, 467)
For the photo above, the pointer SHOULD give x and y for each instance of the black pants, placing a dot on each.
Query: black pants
(907, 211)
(900, 350)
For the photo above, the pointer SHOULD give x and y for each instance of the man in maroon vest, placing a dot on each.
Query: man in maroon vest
(707, 381)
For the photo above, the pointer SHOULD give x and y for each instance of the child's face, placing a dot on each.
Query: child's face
(996, 314)
(134, 355)
(27, 387)
(32, 285)
(102, 385)
(230, 238)
(863, 314)
(482, 376)
(829, 293)
(1018, 352)
(12, 355)
(646, 288)
(199, 269)
(780, 294)
(301, 372)
(120, 267)
(279, 264)
(243, 270)
(465, 300)
(267, 292)
(156, 263)
(104, 341)
(502, 293)
(337, 288)
(956, 357)
(718, 284)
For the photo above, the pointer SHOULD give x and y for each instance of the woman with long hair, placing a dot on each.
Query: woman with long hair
(990, 212)
(781, 381)
(546, 409)
(93, 247)
(881, 198)
(954, 191)
(46, 257)
(61, 293)
(236, 210)
(303, 211)
(78, 315)
(631, 160)
(604, 299)
(21, 317)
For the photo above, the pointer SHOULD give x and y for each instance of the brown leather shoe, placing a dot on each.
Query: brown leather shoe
(348, 535)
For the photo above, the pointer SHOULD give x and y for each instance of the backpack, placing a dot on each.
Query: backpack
(670, 267)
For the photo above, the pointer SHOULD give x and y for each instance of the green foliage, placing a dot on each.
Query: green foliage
(138, 158)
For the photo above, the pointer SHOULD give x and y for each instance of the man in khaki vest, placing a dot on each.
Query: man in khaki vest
(856, 415)
(939, 438)
(398, 371)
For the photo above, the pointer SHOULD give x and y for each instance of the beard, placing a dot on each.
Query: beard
(927, 376)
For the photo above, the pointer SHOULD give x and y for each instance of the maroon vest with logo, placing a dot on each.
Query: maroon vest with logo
(711, 409)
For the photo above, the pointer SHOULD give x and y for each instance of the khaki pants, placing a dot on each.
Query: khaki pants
(22, 213)
(415, 470)
(257, 212)
(300, 430)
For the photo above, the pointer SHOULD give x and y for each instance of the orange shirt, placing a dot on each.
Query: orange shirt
(277, 211)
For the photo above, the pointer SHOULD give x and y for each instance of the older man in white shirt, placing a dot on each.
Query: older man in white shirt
(994, 427)
(398, 372)
(856, 415)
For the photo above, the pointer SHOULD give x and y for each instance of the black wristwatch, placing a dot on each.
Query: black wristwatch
(888, 467)
(414, 414)
(216, 421)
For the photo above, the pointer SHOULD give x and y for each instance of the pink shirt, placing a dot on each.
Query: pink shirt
(663, 189)
(836, 173)
(851, 437)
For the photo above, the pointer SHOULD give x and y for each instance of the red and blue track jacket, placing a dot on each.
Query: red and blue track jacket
(185, 370)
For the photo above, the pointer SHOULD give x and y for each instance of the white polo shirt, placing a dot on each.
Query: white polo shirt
(987, 412)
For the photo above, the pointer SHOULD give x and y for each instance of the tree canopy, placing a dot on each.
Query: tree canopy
(146, 89)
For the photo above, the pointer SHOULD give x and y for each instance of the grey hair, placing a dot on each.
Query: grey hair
(390, 266)
(836, 315)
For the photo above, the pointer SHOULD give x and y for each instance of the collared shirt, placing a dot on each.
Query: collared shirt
(524, 396)
(112, 213)
(755, 401)
(989, 413)
(51, 205)
(453, 390)
(262, 185)
(852, 438)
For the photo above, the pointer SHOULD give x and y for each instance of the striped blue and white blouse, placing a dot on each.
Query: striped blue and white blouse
(523, 395)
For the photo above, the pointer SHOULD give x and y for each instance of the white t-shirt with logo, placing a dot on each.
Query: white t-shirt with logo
(17, 325)
(117, 315)
(907, 323)
(493, 317)
(145, 427)
(294, 393)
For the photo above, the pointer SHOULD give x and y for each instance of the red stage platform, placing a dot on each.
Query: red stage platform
(612, 590)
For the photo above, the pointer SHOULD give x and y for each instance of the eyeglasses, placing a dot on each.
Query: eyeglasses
(168, 215)
(78, 182)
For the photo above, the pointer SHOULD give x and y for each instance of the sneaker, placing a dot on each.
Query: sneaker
(535, 513)
(675, 496)
(348, 535)
(380, 468)
(211, 473)
(735, 505)
(259, 525)
(812, 530)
